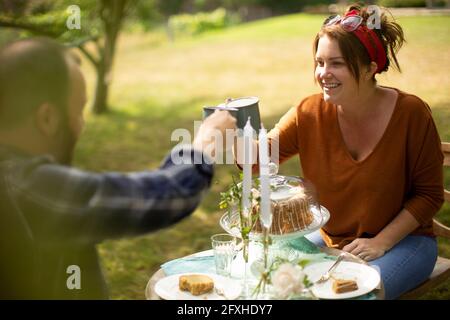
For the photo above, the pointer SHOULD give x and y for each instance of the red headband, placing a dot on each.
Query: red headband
(371, 42)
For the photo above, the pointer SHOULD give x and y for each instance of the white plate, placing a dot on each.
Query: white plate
(168, 289)
(366, 277)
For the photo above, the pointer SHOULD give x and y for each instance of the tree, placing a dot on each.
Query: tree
(96, 35)
(112, 13)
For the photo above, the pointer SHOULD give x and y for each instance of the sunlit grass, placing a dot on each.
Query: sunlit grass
(160, 86)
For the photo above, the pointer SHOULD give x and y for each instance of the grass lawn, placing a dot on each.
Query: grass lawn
(160, 86)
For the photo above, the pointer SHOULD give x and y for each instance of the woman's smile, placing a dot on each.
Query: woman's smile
(330, 87)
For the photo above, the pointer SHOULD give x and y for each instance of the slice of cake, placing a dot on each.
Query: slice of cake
(196, 284)
(341, 285)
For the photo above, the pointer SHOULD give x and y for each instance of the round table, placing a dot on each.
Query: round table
(150, 293)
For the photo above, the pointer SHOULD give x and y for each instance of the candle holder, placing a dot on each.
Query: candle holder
(269, 244)
(245, 232)
(265, 211)
(261, 290)
(231, 200)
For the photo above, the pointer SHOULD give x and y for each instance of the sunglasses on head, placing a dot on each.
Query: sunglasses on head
(348, 23)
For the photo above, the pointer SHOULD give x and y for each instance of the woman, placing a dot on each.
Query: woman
(372, 152)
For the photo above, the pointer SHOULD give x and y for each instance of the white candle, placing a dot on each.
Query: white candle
(247, 168)
(266, 213)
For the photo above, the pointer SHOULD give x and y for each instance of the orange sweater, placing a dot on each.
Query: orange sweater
(403, 171)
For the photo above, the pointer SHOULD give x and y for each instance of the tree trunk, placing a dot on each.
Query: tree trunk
(100, 104)
(112, 15)
(104, 71)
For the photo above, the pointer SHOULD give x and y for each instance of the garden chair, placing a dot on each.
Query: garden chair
(441, 270)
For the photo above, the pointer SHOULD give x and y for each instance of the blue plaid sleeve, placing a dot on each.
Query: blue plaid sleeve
(63, 202)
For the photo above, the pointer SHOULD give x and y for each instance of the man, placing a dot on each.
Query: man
(51, 215)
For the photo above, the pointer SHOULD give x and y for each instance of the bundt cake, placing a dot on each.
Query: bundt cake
(291, 212)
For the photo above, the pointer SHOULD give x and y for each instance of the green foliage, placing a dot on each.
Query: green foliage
(232, 200)
(200, 5)
(231, 197)
(169, 7)
(151, 13)
(276, 6)
(288, 6)
(193, 24)
(402, 3)
(49, 18)
(147, 14)
(303, 263)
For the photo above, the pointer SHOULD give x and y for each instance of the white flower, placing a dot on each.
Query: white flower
(287, 280)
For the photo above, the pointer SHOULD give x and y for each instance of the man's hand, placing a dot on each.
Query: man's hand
(214, 127)
(366, 249)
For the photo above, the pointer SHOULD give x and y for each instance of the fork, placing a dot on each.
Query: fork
(327, 275)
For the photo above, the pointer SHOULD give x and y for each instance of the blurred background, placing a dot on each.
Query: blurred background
(152, 65)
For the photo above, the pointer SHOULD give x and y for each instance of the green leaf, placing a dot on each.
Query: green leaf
(302, 263)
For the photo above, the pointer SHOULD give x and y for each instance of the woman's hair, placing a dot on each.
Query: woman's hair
(354, 52)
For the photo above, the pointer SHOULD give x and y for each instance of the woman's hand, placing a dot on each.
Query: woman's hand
(373, 248)
(366, 249)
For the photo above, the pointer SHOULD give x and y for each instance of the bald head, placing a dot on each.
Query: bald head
(42, 98)
(32, 72)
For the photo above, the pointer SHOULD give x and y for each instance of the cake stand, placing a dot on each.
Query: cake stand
(230, 222)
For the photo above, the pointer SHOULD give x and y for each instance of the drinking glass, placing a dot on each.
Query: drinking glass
(224, 246)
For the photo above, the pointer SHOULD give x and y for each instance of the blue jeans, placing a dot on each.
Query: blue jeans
(405, 266)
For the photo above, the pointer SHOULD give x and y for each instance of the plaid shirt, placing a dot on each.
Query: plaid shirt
(52, 216)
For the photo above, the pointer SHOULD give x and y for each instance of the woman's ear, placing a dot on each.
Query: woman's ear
(371, 70)
(47, 119)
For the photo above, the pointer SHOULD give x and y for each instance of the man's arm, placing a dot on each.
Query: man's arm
(63, 203)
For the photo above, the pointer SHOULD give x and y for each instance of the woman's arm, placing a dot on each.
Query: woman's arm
(402, 225)
(426, 195)
(369, 249)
